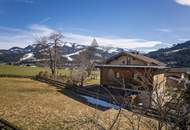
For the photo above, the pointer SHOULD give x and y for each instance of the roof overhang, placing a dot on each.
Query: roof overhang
(140, 57)
(130, 66)
(185, 70)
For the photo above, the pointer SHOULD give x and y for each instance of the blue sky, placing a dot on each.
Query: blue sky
(142, 24)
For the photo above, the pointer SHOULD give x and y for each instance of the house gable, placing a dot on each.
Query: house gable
(133, 59)
(127, 60)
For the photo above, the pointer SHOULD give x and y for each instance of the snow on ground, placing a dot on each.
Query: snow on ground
(109, 49)
(101, 48)
(75, 45)
(68, 56)
(15, 49)
(79, 47)
(98, 55)
(100, 102)
(34, 45)
(175, 50)
(112, 50)
(68, 44)
(27, 56)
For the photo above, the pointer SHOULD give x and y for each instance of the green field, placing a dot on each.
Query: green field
(13, 70)
(26, 70)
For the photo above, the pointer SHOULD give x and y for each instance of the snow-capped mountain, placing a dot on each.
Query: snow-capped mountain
(28, 56)
(68, 50)
(177, 55)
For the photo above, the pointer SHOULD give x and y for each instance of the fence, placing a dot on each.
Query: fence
(50, 81)
(14, 76)
(149, 112)
(77, 89)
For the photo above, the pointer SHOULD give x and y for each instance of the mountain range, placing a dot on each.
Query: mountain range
(177, 55)
(67, 50)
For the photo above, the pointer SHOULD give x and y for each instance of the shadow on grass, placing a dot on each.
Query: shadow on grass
(80, 99)
(76, 96)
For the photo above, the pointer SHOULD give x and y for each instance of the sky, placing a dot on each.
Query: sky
(134, 24)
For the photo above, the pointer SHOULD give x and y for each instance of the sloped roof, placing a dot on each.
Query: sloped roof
(131, 66)
(137, 56)
(180, 70)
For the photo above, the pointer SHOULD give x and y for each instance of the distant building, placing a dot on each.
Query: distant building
(177, 76)
(124, 69)
(180, 73)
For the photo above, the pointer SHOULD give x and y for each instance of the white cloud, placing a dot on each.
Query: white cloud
(10, 37)
(164, 30)
(26, 1)
(183, 2)
(111, 41)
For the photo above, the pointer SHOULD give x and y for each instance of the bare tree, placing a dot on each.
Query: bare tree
(56, 40)
(169, 109)
(50, 45)
(170, 104)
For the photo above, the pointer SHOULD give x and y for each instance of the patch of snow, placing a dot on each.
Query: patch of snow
(110, 49)
(173, 51)
(125, 49)
(15, 49)
(68, 56)
(34, 45)
(68, 44)
(100, 102)
(101, 48)
(37, 60)
(27, 56)
(79, 47)
(113, 50)
(98, 55)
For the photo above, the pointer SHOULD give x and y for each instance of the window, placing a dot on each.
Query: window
(137, 76)
(117, 75)
(128, 60)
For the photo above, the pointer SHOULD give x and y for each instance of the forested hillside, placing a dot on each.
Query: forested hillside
(177, 55)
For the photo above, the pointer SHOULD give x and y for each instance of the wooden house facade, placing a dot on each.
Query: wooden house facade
(128, 71)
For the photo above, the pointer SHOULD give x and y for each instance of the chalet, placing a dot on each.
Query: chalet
(179, 73)
(176, 76)
(124, 71)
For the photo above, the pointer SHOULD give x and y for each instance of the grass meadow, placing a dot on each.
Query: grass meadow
(26, 70)
(13, 70)
(32, 105)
